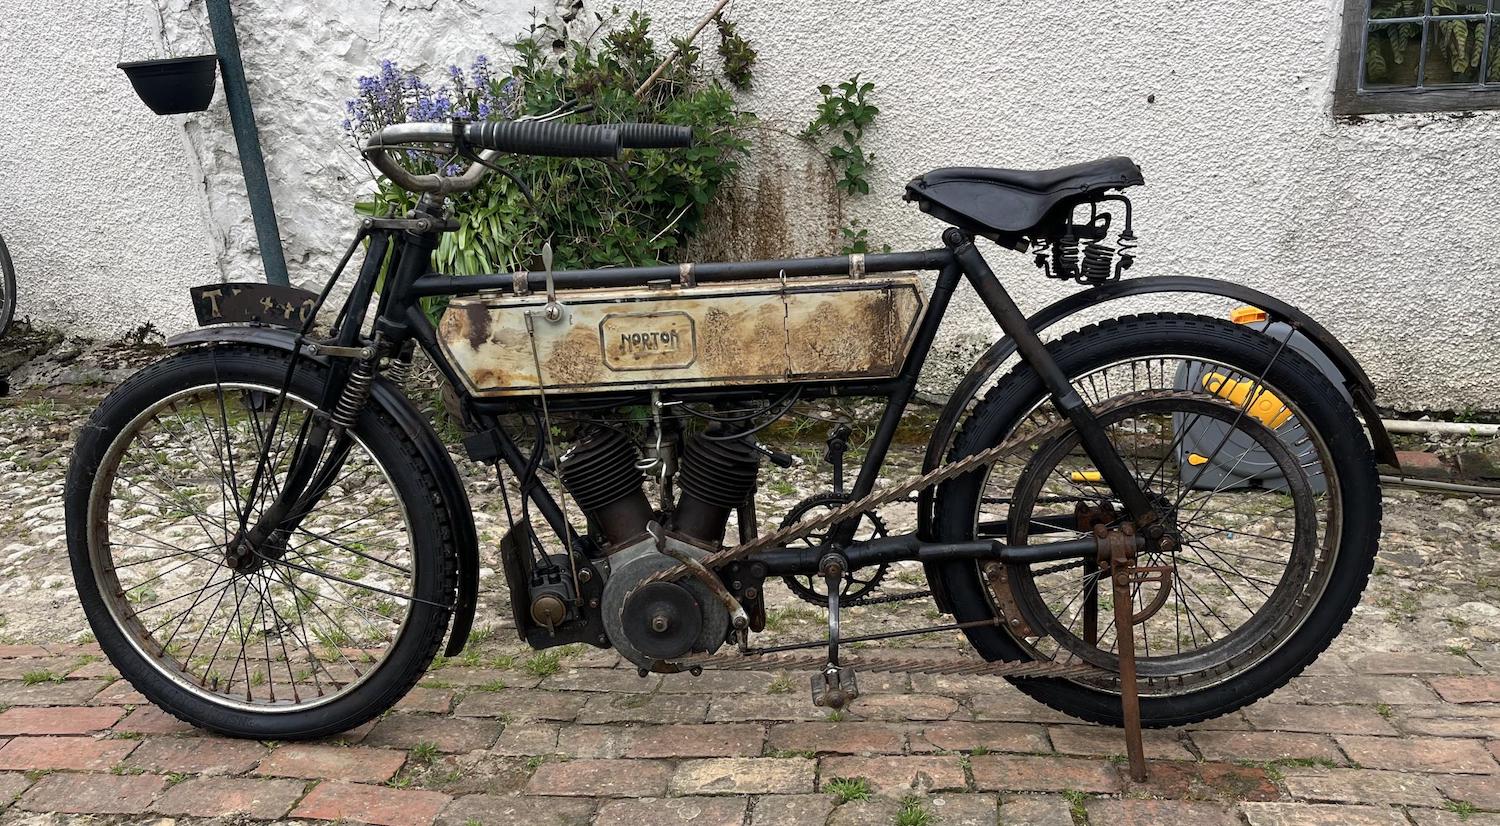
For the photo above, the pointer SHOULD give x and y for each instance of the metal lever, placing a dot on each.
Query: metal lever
(553, 312)
(834, 687)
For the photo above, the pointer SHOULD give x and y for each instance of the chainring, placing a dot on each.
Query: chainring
(810, 588)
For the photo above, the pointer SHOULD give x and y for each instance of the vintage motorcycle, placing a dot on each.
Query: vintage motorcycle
(1153, 520)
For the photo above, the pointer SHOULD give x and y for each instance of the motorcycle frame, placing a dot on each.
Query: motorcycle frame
(400, 318)
(396, 266)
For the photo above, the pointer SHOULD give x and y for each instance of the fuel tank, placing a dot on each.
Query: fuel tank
(668, 336)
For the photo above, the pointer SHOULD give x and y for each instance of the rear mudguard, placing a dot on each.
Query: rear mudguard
(1355, 379)
(393, 402)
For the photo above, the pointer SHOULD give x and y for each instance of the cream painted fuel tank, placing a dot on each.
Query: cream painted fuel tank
(663, 336)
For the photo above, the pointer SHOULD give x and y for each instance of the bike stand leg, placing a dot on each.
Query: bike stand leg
(1130, 701)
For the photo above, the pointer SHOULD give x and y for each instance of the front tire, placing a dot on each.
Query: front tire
(1150, 344)
(327, 629)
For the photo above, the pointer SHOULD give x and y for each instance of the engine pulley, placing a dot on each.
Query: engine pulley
(662, 620)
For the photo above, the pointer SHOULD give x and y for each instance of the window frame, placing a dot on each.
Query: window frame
(1350, 99)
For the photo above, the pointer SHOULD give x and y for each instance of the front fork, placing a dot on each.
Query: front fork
(323, 445)
(1065, 397)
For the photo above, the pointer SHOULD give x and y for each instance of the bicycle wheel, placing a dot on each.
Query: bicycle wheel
(311, 635)
(1273, 491)
(7, 289)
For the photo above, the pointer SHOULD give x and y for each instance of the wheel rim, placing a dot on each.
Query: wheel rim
(1168, 675)
(287, 635)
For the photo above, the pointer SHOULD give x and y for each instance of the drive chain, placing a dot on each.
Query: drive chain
(936, 476)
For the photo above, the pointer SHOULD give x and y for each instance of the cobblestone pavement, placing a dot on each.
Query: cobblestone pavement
(1398, 724)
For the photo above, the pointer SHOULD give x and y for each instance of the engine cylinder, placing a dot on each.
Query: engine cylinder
(715, 478)
(600, 473)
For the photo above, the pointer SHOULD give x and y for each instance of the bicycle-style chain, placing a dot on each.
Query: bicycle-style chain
(936, 476)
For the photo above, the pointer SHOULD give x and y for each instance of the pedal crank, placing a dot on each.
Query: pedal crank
(834, 686)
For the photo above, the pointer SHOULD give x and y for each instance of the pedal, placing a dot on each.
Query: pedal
(834, 687)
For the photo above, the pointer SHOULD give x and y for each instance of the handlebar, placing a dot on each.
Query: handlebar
(545, 138)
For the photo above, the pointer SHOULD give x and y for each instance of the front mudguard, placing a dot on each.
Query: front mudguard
(1356, 381)
(393, 402)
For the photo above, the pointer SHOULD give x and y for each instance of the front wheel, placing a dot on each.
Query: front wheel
(1256, 462)
(313, 631)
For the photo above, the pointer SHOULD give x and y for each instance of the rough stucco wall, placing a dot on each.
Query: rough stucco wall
(1376, 227)
(97, 204)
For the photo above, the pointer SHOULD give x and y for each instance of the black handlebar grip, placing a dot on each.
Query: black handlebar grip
(558, 140)
(655, 136)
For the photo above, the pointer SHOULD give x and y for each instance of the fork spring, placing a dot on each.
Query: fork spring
(356, 393)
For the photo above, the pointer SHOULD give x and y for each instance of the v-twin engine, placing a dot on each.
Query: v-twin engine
(604, 473)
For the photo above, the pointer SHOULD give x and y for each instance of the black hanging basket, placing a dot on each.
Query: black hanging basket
(174, 85)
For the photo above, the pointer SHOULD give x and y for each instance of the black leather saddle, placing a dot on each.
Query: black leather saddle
(1008, 203)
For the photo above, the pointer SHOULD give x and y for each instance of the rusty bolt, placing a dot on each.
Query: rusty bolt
(660, 624)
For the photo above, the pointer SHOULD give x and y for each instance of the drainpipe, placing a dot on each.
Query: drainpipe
(1441, 428)
(247, 141)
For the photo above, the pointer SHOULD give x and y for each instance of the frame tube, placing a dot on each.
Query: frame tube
(908, 548)
(922, 261)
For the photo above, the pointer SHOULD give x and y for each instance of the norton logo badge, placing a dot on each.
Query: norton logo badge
(666, 341)
(648, 341)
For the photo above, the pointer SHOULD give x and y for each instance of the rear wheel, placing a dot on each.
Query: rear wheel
(310, 635)
(1257, 462)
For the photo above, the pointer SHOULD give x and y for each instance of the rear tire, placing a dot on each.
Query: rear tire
(1322, 410)
(7, 290)
(100, 531)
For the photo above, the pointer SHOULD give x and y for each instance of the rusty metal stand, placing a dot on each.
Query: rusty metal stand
(1123, 576)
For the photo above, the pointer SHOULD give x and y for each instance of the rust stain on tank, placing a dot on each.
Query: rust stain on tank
(718, 334)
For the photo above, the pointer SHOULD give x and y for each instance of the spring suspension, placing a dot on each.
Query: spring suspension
(356, 393)
(1065, 257)
(397, 371)
(1098, 263)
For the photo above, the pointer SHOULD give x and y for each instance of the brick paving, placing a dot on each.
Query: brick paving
(598, 749)
(1399, 724)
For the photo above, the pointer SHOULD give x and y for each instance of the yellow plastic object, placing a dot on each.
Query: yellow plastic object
(1196, 459)
(1266, 407)
(1087, 476)
(1248, 315)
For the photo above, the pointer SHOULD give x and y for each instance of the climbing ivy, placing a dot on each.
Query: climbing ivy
(838, 128)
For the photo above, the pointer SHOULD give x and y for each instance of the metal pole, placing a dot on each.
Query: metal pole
(247, 141)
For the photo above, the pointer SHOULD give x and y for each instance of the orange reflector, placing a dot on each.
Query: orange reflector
(1196, 459)
(1266, 407)
(1248, 315)
(1087, 476)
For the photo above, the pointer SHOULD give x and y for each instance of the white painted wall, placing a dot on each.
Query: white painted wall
(1380, 228)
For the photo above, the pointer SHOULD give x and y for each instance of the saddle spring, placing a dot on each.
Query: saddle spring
(1080, 252)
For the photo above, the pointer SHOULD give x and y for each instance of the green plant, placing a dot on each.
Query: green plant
(738, 55)
(1075, 805)
(637, 211)
(838, 129)
(846, 789)
(40, 676)
(1463, 808)
(423, 753)
(913, 813)
(543, 663)
(857, 239)
(1455, 47)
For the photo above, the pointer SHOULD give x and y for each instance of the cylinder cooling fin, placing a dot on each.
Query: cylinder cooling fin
(600, 473)
(715, 476)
